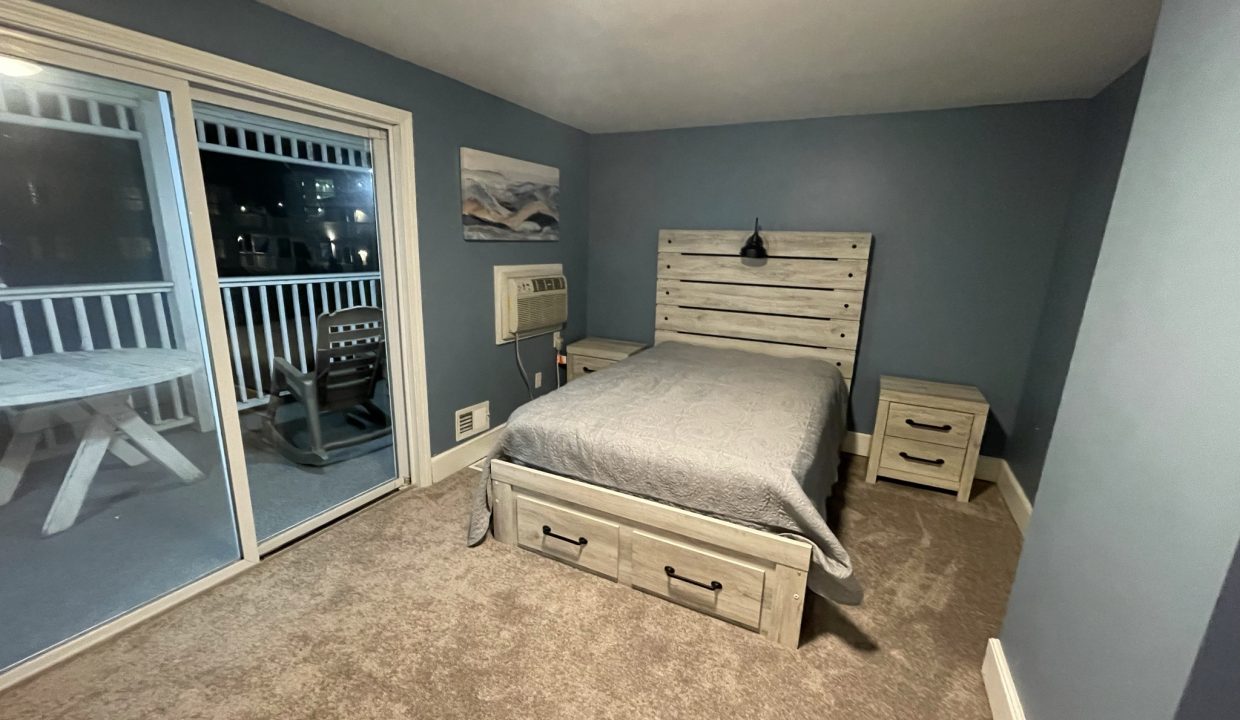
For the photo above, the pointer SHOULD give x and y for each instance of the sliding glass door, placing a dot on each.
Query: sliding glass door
(203, 316)
(114, 488)
(294, 225)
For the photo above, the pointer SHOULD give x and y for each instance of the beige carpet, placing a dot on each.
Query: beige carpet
(388, 615)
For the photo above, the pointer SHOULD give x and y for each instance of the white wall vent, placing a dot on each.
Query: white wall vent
(472, 420)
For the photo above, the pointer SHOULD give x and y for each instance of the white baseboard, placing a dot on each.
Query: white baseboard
(462, 456)
(1014, 496)
(989, 469)
(856, 444)
(1000, 689)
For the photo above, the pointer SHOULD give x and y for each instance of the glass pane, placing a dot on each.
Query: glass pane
(293, 220)
(113, 488)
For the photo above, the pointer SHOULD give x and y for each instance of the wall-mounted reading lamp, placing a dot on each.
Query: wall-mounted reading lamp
(753, 246)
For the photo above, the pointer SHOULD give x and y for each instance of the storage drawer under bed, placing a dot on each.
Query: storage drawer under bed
(752, 578)
(703, 580)
(575, 537)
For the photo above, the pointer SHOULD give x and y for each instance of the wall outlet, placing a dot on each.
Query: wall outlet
(556, 339)
(537, 379)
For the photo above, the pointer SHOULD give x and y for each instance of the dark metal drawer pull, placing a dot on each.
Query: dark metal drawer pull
(923, 461)
(578, 541)
(585, 369)
(671, 572)
(924, 426)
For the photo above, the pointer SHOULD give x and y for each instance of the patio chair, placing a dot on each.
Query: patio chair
(348, 362)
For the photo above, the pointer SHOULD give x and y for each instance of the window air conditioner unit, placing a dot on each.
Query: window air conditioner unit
(535, 304)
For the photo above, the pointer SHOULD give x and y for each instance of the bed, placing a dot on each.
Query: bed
(699, 469)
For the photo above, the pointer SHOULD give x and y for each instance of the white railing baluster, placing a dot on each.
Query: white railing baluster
(122, 117)
(83, 323)
(32, 101)
(271, 353)
(314, 317)
(336, 285)
(249, 333)
(283, 321)
(53, 325)
(109, 321)
(231, 316)
(349, 287)
(202, 130)
(374, 295)
(165, 341)
(139, 333)
(323, 296)
(301, 337)
(135, 320)
(63, 106)
(92, 109)
(23, 332)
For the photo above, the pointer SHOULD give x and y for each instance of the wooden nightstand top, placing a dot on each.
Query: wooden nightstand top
(945, 395)
(605, 348)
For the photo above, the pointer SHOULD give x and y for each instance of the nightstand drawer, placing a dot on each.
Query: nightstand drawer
(942, 427)
(922, 458)
(579, 365)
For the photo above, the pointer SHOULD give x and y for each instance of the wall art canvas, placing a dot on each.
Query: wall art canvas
(503, 198)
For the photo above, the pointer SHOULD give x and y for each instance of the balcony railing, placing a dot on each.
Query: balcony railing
(60, 318)
(266, 317)
(273, 316)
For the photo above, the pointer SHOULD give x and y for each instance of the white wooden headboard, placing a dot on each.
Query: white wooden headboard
(803, 300)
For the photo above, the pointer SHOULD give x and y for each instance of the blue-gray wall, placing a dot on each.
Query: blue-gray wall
(1110, 118)
(965, 205)
(464, 366)
(1138, 513)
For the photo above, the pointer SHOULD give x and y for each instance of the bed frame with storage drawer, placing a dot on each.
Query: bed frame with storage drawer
(748, 577)
(804, 300)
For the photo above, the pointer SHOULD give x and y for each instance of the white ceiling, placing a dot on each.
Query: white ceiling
(616, 65)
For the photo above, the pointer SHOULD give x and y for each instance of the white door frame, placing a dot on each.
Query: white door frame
(44, 34)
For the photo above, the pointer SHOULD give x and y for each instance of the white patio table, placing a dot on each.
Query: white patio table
(87, 389)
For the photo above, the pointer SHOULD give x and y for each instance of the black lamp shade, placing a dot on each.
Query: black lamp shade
(753, 246)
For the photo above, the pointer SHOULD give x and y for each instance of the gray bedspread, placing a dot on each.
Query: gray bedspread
(748, 438)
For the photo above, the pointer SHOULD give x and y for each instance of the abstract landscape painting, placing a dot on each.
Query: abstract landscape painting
(503, 198)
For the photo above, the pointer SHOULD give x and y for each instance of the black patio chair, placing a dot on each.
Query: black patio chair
(348, 363)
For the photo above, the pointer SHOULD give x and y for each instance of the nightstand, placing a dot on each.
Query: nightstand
(928, 433)
(586, 356)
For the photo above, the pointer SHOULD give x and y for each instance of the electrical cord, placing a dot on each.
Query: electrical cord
(516, 350)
